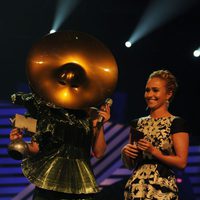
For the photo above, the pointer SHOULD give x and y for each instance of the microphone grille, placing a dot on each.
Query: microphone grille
(109, 101)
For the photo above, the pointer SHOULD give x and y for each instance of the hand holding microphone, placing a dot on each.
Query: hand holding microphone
(104, 112)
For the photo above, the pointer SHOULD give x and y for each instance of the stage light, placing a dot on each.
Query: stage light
(52, 31)
(128, 44)
(196, 53)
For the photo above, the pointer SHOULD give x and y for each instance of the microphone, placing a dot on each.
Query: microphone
(108, 102)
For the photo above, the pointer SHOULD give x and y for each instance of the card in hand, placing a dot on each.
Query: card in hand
(27, 123)
(136, 135)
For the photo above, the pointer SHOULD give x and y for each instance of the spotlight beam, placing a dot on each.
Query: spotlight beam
(63, 10)
(158, 13)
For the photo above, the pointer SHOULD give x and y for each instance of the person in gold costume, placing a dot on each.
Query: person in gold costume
(58, 163)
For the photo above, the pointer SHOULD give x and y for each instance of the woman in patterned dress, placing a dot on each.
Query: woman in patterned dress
(158, 143)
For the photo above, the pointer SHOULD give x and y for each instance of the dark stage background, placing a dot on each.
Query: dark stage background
(169, 46)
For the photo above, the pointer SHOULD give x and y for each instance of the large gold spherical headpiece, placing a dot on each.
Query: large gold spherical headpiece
(72, 70)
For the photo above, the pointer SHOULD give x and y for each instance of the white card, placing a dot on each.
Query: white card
(28, 123)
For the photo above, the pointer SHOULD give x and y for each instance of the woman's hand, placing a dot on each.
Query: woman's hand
(130, 150)
(104, 112)
(144, 145)
(15, 133)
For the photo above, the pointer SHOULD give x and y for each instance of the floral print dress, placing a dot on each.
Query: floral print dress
(152, 179)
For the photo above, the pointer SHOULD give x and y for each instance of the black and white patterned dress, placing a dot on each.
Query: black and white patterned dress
(152, 179)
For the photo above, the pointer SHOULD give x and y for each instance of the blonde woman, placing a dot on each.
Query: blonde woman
(162, 143)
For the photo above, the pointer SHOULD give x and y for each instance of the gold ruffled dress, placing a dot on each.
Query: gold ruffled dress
(64, 137)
